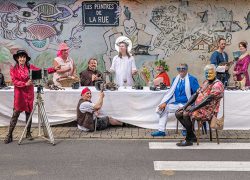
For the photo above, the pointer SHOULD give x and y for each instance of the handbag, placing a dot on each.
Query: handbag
(218, 123)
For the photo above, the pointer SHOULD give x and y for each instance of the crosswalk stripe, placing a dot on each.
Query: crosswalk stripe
(171, 145)
(202, 165)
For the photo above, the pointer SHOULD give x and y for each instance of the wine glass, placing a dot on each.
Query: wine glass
(125, 83)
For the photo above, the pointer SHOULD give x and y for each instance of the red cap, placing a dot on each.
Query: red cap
(85, 90)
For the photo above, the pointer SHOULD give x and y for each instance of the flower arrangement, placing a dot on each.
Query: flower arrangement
(146, 74)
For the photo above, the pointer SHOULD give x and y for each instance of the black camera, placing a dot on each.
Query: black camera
(163, 86)
(99, 85)
(154, 88)
(39, 77)
(76, 85)
(137, 87)
(38, 74)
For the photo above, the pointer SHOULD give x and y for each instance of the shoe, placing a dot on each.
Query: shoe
(194, 139)
(184, 132)
(184, 143)
(8, 139)
(29, 137)
(125, 125)
(158, 133)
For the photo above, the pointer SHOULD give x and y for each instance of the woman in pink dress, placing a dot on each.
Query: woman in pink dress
(23, 91)
(241, 67)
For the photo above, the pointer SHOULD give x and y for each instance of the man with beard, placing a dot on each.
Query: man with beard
(89, 76)
(220, 59)
(162, 76)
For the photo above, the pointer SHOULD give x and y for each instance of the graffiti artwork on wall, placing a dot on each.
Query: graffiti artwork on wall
(141, 39)
(158, 29)
(172, 24)
(40, 25)
(203, 16)
(225, 21)
(248, 20)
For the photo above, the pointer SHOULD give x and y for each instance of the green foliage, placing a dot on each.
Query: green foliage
(44, 60)
(81, 66)
(5, 54)
(162, 63)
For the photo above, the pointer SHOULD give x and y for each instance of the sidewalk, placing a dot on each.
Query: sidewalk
(123, 133)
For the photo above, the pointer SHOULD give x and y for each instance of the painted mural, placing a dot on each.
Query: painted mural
(176, 31)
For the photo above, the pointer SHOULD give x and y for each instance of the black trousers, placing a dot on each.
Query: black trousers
(185, 120)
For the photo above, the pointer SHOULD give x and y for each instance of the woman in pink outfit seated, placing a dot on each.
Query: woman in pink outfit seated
(241, 67)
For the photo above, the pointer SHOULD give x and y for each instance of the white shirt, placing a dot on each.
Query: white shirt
(87, 107)
(123, 68)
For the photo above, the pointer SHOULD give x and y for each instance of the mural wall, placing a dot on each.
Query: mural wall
(176, 31)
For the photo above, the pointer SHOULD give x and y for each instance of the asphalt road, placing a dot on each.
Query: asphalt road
(107, 160)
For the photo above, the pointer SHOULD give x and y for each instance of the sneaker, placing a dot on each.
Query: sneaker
(158, 133)
(184, 132)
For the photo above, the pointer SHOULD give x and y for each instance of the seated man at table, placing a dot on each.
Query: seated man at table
(87, 113)
(184, 85)
(202, 105)
(2, 82)
(89, 76)
(162, 76)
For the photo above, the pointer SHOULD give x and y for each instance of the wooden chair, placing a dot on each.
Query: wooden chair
(200, 124)
(8, 83)
(177, 125)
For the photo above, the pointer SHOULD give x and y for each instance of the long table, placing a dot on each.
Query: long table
(136, 107)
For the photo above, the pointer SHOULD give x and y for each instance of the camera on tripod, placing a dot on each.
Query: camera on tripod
(39, 78)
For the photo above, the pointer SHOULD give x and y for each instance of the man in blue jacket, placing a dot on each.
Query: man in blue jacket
(183, 87)
(220, 59)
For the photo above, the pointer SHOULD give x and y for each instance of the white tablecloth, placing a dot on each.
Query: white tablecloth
(237, 110)
(135, 107)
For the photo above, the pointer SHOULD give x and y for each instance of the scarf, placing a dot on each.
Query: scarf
(170, 94)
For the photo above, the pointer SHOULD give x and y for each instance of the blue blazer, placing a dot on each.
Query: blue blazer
(194, 85)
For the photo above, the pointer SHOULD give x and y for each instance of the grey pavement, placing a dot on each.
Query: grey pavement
(119, 153)
(123, 133)
(110, 159)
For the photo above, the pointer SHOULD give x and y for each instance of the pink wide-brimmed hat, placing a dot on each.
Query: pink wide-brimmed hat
(63, 46)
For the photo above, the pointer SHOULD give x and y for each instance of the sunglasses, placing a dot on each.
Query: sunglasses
(181, 68)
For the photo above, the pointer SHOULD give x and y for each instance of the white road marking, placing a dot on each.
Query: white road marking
(201, 166)
(213, 145)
